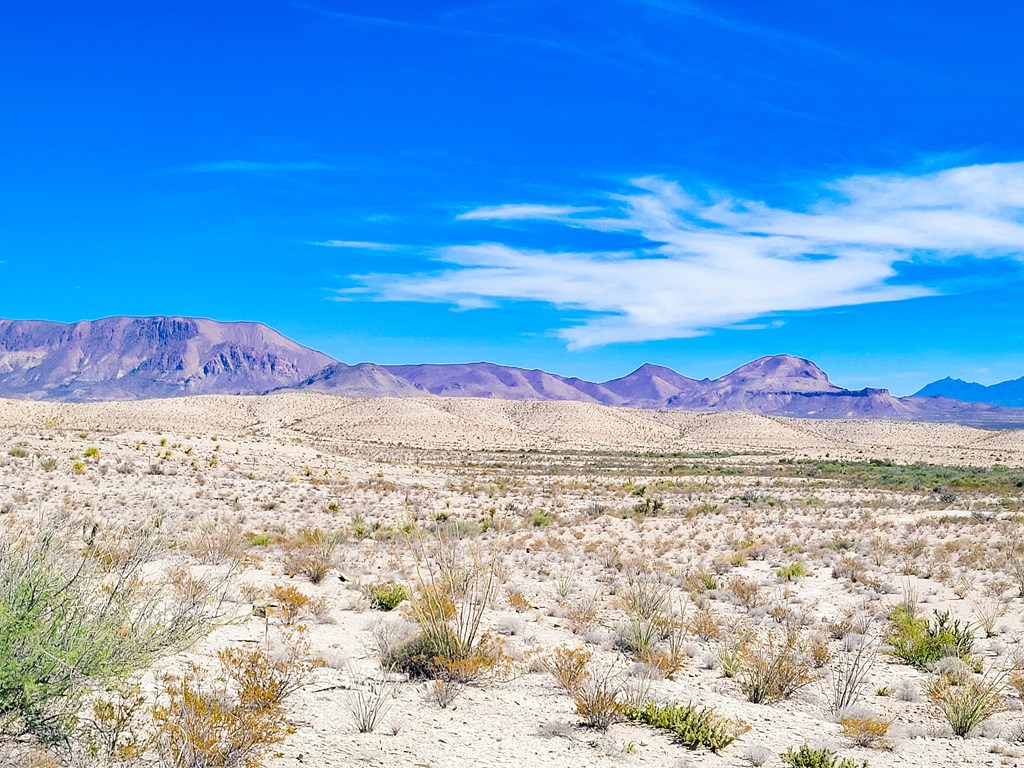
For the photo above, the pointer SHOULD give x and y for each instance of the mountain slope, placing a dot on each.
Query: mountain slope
(143, 357)
(649, 386)
(500, 382)
(362, 380)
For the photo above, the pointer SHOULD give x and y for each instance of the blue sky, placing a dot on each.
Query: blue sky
(580, 187)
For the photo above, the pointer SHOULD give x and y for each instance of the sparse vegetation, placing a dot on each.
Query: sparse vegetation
(653, 575)
(808, 757)
(691, 726)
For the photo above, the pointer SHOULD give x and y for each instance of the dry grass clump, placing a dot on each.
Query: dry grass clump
(312, 554)
(966, 704)
(774, 668)
(866, 730)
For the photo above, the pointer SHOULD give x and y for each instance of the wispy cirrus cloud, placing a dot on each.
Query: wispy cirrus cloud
(255, 166)
(364, 245)
(523, 211)
(710, 261)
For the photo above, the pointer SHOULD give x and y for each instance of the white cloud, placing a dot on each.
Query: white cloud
(724, 262)
(364, 245)
(522, 211)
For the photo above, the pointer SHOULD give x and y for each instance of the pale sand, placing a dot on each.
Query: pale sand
(296, 461)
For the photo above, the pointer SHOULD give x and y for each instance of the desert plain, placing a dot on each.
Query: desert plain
(650, 556)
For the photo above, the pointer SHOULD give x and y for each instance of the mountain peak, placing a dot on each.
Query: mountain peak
(777, 373)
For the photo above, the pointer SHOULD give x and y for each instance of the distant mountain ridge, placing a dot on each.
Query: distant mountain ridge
(1007, 394)
(129, 358)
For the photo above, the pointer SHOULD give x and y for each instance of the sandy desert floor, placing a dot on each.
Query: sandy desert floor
(739, 533)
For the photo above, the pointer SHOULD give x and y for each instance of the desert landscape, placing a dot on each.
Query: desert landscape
(465, 582)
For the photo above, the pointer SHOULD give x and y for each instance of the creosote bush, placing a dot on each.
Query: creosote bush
(918, 641)
(691, 726)
(71, 625)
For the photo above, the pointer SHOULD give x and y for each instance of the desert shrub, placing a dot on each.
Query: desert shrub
(967, 705)
(918, 641)
(541, 519)
(48, 464)
(731, 653)
(569, 667)
(755, 754)
(387, 597)
(18, 452)
(456, 585)
(582, 614)
(705, 625)
(228, 718)
(691, 726)
(517, 600)
(809, 757)
(746, 592)
(644, 599)
(773, 669)
(216, 539)
(111, 731)
(700, 581)
(69, 627)
(598, 698)
(792, 571)
(655, 628)
(849, 671)
(289, 602)
(866, 730)
(312, 554)
(369, 701)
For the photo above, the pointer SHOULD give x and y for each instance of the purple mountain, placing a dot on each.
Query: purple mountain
(650, 386)
(500, 382)
(142, 357)
(123, 358)
(362, 380)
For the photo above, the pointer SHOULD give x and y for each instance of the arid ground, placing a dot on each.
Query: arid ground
(573, 550)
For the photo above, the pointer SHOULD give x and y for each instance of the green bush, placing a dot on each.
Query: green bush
(806, 757)
(692, 727)
(386, 597)
(919, 642)
(73, 622)
(541, 519)
(792, 571)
